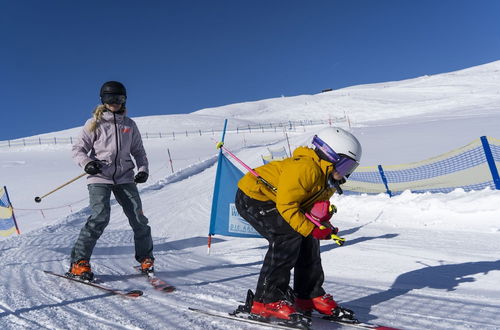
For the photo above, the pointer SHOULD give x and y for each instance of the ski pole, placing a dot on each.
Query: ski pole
(339, 240)
(220, 145)
(39, 199)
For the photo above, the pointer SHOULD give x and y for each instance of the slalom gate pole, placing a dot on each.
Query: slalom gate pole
(220, 145)
(12, 207)
(39, 199)
(215, 197)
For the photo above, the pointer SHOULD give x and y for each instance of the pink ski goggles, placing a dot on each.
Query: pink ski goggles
(344, 165)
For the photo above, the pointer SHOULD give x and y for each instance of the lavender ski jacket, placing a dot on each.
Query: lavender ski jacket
(115, 139)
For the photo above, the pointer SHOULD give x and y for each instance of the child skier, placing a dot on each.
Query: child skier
(309, 176)
(103, 149)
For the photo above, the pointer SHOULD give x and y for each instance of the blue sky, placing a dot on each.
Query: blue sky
(182, 56)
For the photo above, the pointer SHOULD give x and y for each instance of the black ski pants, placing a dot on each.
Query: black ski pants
(287, 249)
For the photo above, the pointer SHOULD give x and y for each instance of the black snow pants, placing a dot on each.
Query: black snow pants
(287, 249)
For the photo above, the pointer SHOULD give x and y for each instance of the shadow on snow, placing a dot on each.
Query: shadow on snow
(441, 277)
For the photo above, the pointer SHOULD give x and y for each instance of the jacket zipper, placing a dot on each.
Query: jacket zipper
(116, 155)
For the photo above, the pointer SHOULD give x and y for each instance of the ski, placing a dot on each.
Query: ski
(295, 321)
(248, 318)
(156, 282)
(129, 294)
(274, 324)
(350, 323)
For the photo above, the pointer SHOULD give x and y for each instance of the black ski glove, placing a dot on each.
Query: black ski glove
(141, 177)
(93, 168)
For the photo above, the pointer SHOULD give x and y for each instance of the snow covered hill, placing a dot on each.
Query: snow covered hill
(412, 261)
(466, 93)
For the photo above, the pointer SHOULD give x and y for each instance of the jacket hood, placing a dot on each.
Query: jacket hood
(109, 115)
(325, 166)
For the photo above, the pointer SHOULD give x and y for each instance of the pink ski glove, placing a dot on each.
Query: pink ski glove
(322, 211)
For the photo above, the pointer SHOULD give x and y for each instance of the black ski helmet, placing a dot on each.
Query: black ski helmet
(113, 87)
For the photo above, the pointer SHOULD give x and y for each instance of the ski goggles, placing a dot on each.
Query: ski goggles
(343, 164)
(113, 99)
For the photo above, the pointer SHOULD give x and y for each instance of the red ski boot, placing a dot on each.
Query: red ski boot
(280, 309)
(279, 312)
(147, 266)
(323, 304)
(81, 270)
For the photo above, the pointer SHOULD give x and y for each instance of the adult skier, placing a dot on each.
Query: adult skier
(302, 182)
(104, 149)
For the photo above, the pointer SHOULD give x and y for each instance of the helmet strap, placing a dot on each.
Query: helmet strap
(332, 183)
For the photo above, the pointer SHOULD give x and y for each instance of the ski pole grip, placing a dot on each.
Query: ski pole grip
(339, 240)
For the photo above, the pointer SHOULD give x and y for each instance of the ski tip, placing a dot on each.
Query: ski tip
(169, 288)
(134, 293)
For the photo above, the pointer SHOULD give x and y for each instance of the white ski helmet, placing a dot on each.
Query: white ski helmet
(339, 147)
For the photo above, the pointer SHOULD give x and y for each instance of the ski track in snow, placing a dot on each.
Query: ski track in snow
(219, 281)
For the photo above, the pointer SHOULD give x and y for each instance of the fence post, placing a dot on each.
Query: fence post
(288, 142)
(384, 180)
(170, 159)
(491, 161)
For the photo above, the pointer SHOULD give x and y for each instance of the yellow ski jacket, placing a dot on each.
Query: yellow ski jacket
(300, 180)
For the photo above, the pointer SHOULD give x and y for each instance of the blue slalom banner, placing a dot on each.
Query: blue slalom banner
(8, 224)
(225, 219)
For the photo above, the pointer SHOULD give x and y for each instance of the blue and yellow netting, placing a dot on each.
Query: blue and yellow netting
(471, 167)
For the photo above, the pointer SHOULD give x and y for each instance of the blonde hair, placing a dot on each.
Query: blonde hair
(97, 116)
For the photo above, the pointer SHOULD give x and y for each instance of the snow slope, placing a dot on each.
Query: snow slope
(415, 261)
